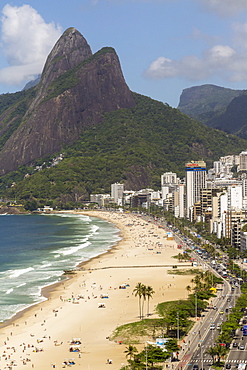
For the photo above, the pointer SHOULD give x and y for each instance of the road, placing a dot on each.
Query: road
(202, 337)
(238, 354)
(205, 331)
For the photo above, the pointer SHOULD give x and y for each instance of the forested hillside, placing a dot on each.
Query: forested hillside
(134, 146)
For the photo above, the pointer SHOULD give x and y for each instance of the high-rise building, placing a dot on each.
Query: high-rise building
(117, 192)
(169, 178)
(195, 181)
(243, 161)
(234, 197)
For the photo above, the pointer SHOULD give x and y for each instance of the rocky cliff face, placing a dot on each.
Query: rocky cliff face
(75, 90)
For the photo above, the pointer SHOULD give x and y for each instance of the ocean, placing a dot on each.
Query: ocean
(36, 249)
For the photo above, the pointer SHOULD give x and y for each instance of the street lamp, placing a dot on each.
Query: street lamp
(201, 357)
(196, 306)
(178, 325)
(146, 350)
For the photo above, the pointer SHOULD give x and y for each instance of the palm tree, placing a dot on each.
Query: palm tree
(149, 293)
(138, 292)
(220, 351)
(197, 282)
(130, 351)
(212, 352)
(188, 288)
(144, 294)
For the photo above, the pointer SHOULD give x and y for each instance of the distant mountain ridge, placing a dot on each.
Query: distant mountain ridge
(216, 107)
(198, 100)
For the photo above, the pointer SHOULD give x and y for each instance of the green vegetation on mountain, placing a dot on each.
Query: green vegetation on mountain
(200, 101)
(134, 146)
(13, 108)
(217, 107)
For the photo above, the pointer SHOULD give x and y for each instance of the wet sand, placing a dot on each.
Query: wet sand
(40, 337)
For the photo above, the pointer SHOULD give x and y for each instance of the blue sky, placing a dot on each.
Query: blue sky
(164, 46)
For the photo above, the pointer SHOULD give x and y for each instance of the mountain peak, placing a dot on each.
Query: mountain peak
(70, 49)
(75, 91)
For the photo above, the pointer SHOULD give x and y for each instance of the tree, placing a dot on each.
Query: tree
(138, 292)
(188, 288)
(144, 290)
(211, 352)
(152, 354)
(149, 293)
(130, 351)
(220, 351)
(31, 205)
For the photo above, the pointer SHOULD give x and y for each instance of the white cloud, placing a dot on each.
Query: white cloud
(26, 42)
(219, 60)
(224, 7)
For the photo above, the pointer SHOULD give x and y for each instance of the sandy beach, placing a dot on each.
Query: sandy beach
(40, 337)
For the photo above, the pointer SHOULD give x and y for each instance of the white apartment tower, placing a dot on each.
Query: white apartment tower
(168, 178)
(195, 180)
(243, 161)
(169, 181)
(234, 197)
(117, 193)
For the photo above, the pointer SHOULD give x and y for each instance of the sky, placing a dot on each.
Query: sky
(164, 46)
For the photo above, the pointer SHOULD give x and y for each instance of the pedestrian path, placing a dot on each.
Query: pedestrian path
(193, 361)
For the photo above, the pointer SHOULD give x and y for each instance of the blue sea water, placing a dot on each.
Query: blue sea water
(36, 249)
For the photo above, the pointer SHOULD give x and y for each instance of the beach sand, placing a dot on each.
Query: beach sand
(40, 337)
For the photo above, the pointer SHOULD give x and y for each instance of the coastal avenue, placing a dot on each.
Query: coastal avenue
(205, 332)
(193, 355)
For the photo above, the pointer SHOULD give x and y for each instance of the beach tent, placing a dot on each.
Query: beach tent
(75, 341)
(104, 296)
(74, 348)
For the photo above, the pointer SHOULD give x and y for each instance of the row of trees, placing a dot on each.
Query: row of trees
(173, 321)
(229, 327)
(143, 292)
(150, 357)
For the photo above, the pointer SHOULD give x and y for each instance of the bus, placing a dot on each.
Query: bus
(245, 330)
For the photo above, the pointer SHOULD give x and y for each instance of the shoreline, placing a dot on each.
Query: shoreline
(129, 260)
(46, 291)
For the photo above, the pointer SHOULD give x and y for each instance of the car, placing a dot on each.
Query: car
(221, 312)
(242, 346)
(228, 366)
(195, 367)
(212, 326)
(235, 345)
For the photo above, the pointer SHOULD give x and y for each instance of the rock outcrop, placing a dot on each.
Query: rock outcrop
(75, 90)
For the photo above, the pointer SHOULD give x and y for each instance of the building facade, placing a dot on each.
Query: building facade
(195, 181)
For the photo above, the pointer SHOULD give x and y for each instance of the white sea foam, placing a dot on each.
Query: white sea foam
(45, 265)
(74, 249)
(20, 285)
(16, 273)
(74, 241)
